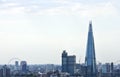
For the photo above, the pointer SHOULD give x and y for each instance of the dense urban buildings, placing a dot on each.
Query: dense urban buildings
(5, 71)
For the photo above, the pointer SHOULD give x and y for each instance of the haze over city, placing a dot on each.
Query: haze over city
(39, 31)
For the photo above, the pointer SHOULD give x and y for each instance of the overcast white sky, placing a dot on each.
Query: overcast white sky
(39, 30)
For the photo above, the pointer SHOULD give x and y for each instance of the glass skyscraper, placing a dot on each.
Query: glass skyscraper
(90, 59)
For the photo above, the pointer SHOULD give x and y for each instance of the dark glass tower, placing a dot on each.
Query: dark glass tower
(64, 61)
(90, 59)
(68, 63)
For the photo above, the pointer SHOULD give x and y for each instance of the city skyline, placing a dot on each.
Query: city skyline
(38, 31)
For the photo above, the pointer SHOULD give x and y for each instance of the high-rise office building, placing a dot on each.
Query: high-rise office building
(64, 61)
(68, 63)
(90, 59)
(112, 67)
(23, 65)
(16, 63)
(71, 63)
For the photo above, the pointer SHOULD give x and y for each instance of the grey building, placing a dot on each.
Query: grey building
(23, 65)
(64, 61)
(16, 63)
(71, 62)
(68, 63)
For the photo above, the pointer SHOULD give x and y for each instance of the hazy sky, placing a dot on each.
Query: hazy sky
(39, 30)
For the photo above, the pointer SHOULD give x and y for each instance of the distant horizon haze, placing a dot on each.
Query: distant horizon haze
(39, 31)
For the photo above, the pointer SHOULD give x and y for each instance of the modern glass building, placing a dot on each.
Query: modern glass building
(68, 63)
(90, 59)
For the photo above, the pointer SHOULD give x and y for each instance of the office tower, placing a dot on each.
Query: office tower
(64, 61)
(23, 65)
(16, 63)
(112, 69)
(108, 68)
(68, 63)
(5, 71)
(90, 59)
(71, 64)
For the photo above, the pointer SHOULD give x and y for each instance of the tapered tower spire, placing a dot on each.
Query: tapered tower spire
(90, 59)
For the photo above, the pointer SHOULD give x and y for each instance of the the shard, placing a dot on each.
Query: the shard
(90, 59)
